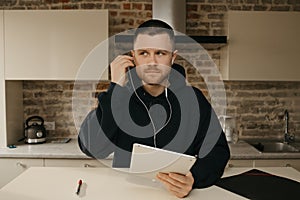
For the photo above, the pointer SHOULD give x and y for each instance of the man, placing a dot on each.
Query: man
(149, 102)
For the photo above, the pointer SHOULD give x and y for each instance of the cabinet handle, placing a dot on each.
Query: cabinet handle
(87, 165)
(19, 164)
(230, 165)
(288, 165)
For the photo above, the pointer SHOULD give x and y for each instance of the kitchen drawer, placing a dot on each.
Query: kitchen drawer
(270, 163)
(240, 163)
(76, 163)
(10, 168)
(295, 163)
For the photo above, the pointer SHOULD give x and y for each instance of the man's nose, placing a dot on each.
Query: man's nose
(152, 59)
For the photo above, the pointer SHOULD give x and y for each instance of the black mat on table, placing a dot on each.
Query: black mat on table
(256, 184)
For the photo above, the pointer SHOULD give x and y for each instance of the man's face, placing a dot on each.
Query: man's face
(153, 57)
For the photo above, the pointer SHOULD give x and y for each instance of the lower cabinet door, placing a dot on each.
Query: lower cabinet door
(10, 168)
(295, 163)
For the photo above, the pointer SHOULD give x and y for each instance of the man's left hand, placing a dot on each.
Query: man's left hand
(178, 184)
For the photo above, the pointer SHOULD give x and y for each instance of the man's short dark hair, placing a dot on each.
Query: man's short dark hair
(154, 27)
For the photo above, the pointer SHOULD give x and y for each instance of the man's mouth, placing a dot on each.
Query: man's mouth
(152, 71)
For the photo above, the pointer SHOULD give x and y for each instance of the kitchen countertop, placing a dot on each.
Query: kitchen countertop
(244, 151)
(70, 150)
(45, 150)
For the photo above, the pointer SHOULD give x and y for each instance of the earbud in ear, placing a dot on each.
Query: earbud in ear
(172, 61)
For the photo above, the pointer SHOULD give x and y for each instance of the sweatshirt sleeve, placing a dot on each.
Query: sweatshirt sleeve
(98, 131)
(213, 148)
(208, 170)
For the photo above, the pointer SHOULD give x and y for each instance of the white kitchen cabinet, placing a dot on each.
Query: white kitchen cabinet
(270, 163)
(47, 45)
(295, 163)
(262, 46)
(10, 168)
(53, 44)
(76, 163)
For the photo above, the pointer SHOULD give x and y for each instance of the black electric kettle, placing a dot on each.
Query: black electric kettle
(35, 131)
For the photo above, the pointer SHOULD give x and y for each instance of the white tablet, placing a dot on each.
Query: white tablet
(148, 161)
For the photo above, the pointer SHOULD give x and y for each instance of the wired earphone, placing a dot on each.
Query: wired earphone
(148, 112)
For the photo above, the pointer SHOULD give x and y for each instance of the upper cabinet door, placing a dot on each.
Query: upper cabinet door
(263, 46)
(53, 44)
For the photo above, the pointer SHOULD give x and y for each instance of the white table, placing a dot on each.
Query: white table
(43, 183)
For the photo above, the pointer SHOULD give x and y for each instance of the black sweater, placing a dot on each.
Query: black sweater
(185, 120)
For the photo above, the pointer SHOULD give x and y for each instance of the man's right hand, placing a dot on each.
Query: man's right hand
(118, 68)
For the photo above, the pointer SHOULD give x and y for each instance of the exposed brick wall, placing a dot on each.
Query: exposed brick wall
(52, 100)
(258, 106)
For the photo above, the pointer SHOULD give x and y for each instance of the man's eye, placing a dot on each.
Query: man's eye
(144, 53)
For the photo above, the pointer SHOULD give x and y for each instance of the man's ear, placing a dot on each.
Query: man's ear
(174, 55)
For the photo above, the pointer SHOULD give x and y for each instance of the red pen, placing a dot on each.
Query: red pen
(79, 186)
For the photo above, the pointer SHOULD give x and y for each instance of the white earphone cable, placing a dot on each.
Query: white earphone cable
(148, 112)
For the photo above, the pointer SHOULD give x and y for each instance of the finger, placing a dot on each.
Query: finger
(179, 195)
(118, 69)
(179, 192)
(178, 177)
(186, 180)
(125, 62)
(163, 176)
(124, 57)
(168, 179)
(183, 184)
(169, 186)
(121, 65)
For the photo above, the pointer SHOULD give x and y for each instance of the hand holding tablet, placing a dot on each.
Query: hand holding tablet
(148, 161)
